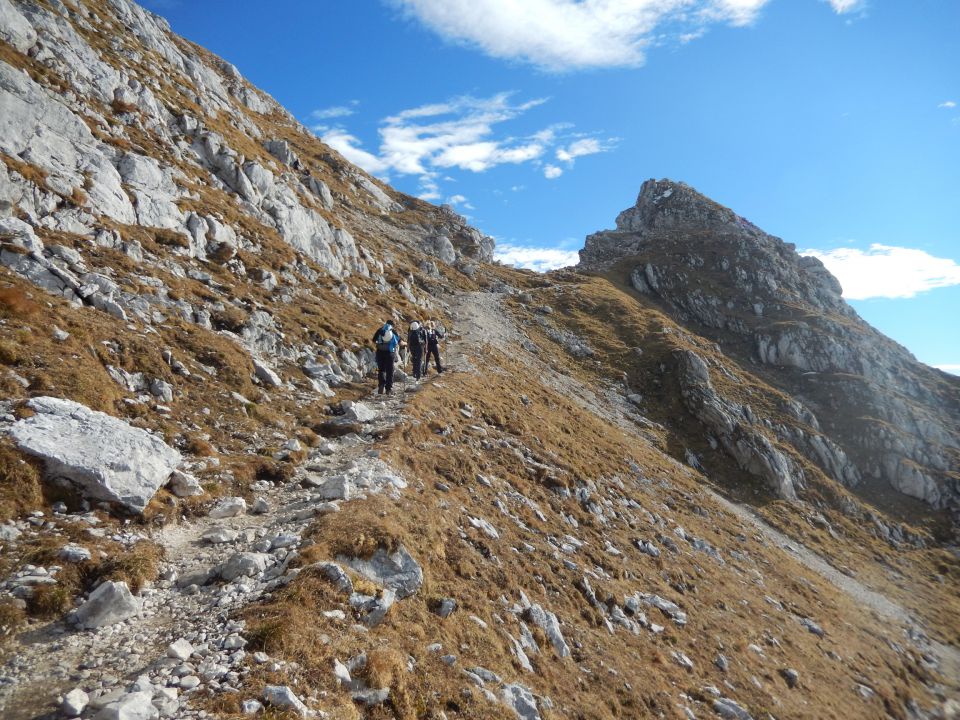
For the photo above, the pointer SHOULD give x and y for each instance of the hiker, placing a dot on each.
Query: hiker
(434, 336)
(386, 342)
(402, 354)
(417, 343)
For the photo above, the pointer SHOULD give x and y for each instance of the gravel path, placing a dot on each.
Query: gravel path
(55, 658)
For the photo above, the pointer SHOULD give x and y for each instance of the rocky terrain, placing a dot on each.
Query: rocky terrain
(656, 486)
(874, 416)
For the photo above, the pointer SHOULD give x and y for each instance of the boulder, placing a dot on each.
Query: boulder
(103, 455)
(282, 697)
(397, 571)
(110, 603)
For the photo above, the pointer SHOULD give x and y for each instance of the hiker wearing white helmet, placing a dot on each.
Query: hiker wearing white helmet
(417, 342)
(386, 342)
(434, 336)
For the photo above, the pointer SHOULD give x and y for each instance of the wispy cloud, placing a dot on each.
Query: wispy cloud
(552, 172)
(563, 35)
(884, 271)
(535, 258)
(949, 104)
(952, 368)
(462, 133)
(459, 201)
(842, 7)
(338, 111)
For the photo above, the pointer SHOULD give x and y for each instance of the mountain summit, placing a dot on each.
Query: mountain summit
(684, 480)
(894, 418)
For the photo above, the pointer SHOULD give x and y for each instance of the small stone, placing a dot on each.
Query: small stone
(228, 507)
(445, 607)
(184, 485)
(260, 506)
(180, 650)
(251, 707)
(60, 335)
(74, 553)
(220, 535)
(189, 682)
(74, 702)
(281, 696)
(791, 676)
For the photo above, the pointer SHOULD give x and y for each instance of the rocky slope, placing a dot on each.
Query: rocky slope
(873, 415)
(203, 514)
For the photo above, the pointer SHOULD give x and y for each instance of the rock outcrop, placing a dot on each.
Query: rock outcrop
(869, 413)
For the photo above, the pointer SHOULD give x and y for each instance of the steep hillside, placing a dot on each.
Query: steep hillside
(207, 512)
(882, 423)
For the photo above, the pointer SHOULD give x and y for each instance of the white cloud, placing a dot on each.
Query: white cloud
(952, 368)
(949, 104)
(349, 146)
(333, 112)
(462, 133)
(551, 172)
(887, 272)
(577, 34)
(842, 7)
(458, 199)
(535, 258)
(584, 146)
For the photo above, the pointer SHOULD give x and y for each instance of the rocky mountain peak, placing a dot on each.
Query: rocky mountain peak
(665, 204)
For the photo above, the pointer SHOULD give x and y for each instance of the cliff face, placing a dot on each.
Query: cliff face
(205, 510)
(878, 415)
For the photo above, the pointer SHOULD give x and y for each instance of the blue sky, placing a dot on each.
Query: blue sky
(834, 124)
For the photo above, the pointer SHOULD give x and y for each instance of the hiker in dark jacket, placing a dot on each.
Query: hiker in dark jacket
(434, 336)
(386, 341)
(417, 343)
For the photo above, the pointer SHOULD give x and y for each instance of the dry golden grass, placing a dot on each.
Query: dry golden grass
(725, 602)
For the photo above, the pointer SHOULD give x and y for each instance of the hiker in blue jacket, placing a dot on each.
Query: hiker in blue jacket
(386, 341)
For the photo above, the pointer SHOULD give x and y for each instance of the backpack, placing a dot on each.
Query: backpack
(385, 343)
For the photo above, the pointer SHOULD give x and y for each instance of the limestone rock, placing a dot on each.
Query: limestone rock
(110, 603)
(228, 507)
(282, 697)
(74, 703)
(245, 564)
(104, 456)
(14, 27)
(131, 706)
(397, 571)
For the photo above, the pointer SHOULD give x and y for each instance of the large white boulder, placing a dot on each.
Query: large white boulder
(110, 603)
(107, 458)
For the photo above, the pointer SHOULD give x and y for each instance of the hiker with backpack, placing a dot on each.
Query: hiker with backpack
(417, 344)
(386, 341)
(434, 336)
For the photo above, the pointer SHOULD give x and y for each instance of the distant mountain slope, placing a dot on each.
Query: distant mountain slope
(876, 417)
